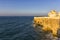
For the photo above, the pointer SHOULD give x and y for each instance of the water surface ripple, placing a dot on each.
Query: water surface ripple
(17, 28)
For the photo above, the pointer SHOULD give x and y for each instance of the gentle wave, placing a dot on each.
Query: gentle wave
(19, 28)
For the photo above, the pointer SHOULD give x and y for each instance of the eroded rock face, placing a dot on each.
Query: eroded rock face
(49, 24)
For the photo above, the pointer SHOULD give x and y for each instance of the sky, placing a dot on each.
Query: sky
(28, 7)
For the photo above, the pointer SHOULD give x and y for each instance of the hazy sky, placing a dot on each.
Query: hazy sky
(28, 7)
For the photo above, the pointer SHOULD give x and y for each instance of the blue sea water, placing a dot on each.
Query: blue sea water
(17, 28)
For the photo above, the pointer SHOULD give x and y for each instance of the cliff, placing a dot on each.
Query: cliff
(48, 24)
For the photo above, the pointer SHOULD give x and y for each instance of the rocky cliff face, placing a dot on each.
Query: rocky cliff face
(50, 24)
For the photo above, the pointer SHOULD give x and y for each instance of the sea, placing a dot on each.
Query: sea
(17, 28)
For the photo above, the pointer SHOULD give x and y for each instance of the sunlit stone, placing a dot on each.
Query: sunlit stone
(50, 23)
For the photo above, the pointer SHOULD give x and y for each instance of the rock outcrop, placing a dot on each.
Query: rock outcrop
(49, 24)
